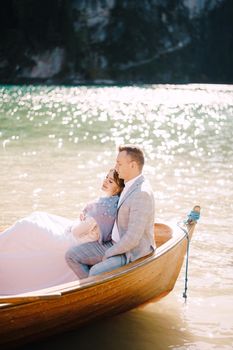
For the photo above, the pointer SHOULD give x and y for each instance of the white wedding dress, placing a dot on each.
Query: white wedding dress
(32, 253)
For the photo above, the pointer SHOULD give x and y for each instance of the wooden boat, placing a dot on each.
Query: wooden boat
(31, 316)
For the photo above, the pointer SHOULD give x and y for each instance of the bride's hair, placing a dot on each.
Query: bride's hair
(118, 181)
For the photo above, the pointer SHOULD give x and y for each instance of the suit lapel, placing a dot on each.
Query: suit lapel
(131, 189)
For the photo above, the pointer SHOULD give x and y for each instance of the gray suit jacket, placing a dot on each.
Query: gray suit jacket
(135, 222)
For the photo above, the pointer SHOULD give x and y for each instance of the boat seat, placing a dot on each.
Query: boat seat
(162, 234)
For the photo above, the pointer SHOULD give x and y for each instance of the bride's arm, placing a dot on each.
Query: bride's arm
(87, 228)
(83, 214)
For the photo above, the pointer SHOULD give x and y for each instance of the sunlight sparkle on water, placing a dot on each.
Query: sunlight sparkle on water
(172, 123)
(59, 142)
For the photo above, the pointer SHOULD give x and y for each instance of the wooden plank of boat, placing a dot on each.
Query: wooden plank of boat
(142, 281)
(28, 297)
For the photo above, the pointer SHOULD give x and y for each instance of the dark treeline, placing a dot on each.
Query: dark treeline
(147, 41)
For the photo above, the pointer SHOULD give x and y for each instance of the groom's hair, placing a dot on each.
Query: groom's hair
(135, 153)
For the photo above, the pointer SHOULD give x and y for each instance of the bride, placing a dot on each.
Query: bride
(32, 251)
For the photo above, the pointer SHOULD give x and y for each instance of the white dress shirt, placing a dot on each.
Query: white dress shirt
(128, 184)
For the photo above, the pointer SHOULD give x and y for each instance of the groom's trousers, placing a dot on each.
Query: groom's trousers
(86, 259)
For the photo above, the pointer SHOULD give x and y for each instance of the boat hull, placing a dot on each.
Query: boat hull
(148, 279)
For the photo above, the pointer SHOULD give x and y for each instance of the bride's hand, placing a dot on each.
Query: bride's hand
(82, 216)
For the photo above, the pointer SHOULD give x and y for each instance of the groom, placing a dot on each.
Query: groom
(133, 232)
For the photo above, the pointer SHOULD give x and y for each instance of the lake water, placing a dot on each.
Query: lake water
(56, 145)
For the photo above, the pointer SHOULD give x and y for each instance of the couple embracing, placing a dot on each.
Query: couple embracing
(43, 249)
(132, 234)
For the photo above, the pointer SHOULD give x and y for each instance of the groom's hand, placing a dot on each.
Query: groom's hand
(104, 258)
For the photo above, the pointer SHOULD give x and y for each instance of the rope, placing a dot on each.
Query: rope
(192, 217)
(186, 267)
(186, 262)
